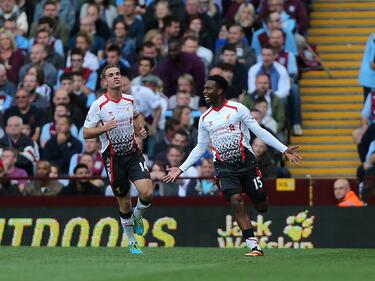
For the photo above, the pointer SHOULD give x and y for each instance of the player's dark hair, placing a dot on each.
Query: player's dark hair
(228, 47)
(220, 81)
(80, 166)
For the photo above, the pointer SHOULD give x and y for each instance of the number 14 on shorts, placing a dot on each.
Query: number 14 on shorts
(258, 184)
(143, 166)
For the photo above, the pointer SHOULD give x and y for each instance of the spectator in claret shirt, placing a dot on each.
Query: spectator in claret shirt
(9, 159)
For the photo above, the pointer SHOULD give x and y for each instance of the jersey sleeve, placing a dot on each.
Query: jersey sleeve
(261, 133)
(199, 149)
(93, 116)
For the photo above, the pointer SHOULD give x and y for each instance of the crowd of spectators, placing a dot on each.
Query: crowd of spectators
(53, 51)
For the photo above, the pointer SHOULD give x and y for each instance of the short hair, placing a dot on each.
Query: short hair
(76, 51)
(150, 60)
(11, 149)
(66, 76)
(97, 7)
(171, 123)
(42, 31)
(261, 75)
(19, 119)
(80, 166)
(113, 48)
(236, 24)
(220, 81)
(177, 147)
(167, 21)
(229, 47)
(46, 20)
(190, 37)
(86, 36)
(49, 2)
(260, 100)
(68, 118)
(76, 73)
(226, 67)
(117, 21)
(177, 112)
(182, 132)
(108, 66)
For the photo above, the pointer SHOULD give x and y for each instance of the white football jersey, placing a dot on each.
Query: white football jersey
(227, 128)
(120, 140)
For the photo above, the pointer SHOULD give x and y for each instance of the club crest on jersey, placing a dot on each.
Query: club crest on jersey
(227, 117)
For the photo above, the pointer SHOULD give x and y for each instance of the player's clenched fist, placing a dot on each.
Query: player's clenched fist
(142, 133)
(110, 125)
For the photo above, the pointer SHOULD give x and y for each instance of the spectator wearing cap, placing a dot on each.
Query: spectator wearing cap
(145, 67)
(367, 71)
(343, 193)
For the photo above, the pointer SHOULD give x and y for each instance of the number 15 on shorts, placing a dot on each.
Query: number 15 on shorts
(258, 184)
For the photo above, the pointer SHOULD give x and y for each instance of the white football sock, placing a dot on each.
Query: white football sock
(127, 225)
(140, 209)
(252, 242)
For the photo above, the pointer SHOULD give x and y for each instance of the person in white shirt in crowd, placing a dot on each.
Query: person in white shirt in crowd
(279, 77)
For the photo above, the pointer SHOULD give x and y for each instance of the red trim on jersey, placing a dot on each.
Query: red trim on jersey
(205, 115)
(259, 173)
(132, 101)
(104, 102)
(241, 146)
(225, 105)
(217, 155)
(231, 106)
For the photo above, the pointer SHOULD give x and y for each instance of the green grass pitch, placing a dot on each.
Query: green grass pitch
(179, 264)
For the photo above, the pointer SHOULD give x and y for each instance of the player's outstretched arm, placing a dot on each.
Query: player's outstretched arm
(172, 175)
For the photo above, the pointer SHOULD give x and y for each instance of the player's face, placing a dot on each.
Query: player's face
(210, 92)
(113, 78)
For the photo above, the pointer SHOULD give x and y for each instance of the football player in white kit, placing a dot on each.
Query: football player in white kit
(226, 126)
(115, 119)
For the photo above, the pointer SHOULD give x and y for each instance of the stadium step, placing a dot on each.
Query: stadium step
(335, 91)
(319, 74)
(331, 99)
(364, 22)
(347, 48)
(332, 102)
(331, 107)
(329, 82)
(349, 15)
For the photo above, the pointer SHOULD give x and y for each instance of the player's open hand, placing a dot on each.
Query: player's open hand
(172, 175)
(142, 133)
(292, 155)
(110, 125)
